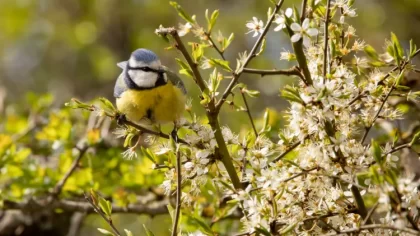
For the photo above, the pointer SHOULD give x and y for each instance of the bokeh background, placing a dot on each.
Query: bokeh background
(70, 48)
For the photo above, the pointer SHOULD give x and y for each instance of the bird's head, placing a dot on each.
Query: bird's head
(144, 69)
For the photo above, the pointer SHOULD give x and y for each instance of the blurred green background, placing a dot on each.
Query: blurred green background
(70, 48)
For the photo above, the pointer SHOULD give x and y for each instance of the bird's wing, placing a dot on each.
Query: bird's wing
(120, 85)
(175, 80)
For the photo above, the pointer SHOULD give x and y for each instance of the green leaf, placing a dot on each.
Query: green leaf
(397, 45)
(148, 154)
(212, 20)
(288, 229)
(74, 103)
(262, 48)
(202, 225)
(251, 93)
(148, 231)
(415, 139)
(263, 231)
(186, 69)
(413, 48)
(107, 104)
(371, 52)
(181, 12)
(105, 232)
(222, 63)
(377, 152)
(128, 138)
(399, 78)
(105, 205)
(197, 52)
(227, 42)
(129, 233)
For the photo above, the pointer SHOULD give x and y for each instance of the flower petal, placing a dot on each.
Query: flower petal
(306, 41)
(289, 12)
(255, 34)
(312, 31)
(279, 27)
(296, 37)
(295, 27)
(305, 24)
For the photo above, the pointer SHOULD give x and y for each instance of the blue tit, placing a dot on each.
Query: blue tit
(147, 89)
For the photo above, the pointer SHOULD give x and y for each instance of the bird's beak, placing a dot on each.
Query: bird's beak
(122, 64)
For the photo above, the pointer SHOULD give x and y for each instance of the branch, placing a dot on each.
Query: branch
(34, 205)
(376, 115)
(123, 120)
(295, 145)
(292, 71)
(178, 188)
(209, 38)
(375, 226)
(249, 113)
(107, 219)
(251, 55)
(327, 20)
(59, 186)
(212, 112)
(180, 46)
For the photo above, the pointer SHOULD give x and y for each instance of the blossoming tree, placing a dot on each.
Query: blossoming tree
(322, 175)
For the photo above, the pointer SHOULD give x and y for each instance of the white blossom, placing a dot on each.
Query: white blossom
(303, 31)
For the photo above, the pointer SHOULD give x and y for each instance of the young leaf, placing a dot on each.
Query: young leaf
(398, 46)
(222, 63)
(107, 104)
(148, 231)
(371, 52)
(377, 152)
(181, 12)
(105, 206)
(186, 69)
(105, 232)
(262, 48)
(212, 20)
(415, 139)
(251, 93)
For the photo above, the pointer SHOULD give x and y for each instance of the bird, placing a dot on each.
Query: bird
(148, 91)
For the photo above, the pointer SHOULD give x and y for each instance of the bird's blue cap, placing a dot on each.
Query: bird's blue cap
(144, 55)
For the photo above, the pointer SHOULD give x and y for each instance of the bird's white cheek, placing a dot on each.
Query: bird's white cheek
(143, 79)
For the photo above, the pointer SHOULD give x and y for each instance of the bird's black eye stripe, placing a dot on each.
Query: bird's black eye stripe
(144, 68)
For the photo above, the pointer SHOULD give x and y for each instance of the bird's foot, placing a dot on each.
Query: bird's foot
(121, 118)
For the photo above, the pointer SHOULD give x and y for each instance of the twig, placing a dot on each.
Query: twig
(376, 115)
(123, 120)
(107, 219)
(292, 71)
(370, 213)
(249, 113)
(59, 186)
(303, 15)
(289, 149)
(32, 205)
(215, 46)
(251, 55)
(374, 226)
(327, 20)
(178, 188)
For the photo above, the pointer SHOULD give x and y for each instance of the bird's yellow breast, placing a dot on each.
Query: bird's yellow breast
(164, 103)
